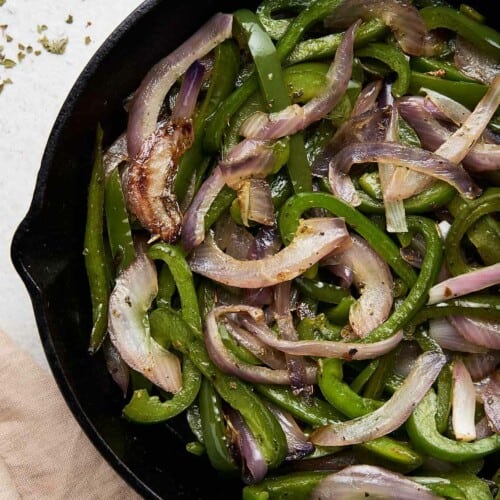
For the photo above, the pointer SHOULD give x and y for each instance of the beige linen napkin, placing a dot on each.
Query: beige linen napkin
(44, 454)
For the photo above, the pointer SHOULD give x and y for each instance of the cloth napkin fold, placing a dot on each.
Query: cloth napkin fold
(44, 454)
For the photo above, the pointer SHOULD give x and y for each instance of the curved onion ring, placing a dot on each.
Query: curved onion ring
(407, 156)
(130, 300)
(314, 239)
(232, 365)
(392, 414)
(374, 282)
(322, 348)
(366, 481)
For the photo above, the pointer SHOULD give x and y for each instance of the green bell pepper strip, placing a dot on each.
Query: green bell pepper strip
(214, 429)
(467, 93)
(314, 411)
(393, 57)
(298, 486)
(266, 11)
(174, 258)
(325, 46)
(340, 313)
(224, 73)
(470, 484)
(322, 291)
(117, 222)
(166, 287)
(369, 182)
(482, 36)
(339, 394)
(297, 205)
(221, 203)
(429, 65)
(376, 385)
(266, 60)
(196, 448)
(318, 328)
(444, 397)
(193, 419)
(441, 486)
(435, 196)
(94, 251)
(146, 409)
(239, 395)
(487, 203)
(281, 188)
(484, 234)
(421, 427)
(364, 375)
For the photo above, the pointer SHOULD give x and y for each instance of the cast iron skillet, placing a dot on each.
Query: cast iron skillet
(47, 253)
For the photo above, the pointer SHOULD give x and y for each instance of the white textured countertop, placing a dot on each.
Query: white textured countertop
(28, 108)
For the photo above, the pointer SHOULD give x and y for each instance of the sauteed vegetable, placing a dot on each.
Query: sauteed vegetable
(296, 244)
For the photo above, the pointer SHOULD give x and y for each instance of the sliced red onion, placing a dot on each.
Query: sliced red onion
(374, 282)
(295, 364)
(447, 337)
(491, 401)
(253, 462)
(130, 300)
(116, 367)
(314, 239)
(482, 364)
(368, 481)
(115, 155)
(461, 141)
(321, 348)
(407, 156)
(343, 272)
(464, 284)
(295, 118)
(232, 238)
(392, 414)
(148, 99)
(256, 202)
(230, 364)
(389, 174)
(433, 135)
(367, 98)
(247, 159)
(150, 179)
(412, 256)
(463, 403)
(370, 126)
(474, 63)
(188, 93)
(443, 107)
(480, 332)
(299, 445)
(402, 18)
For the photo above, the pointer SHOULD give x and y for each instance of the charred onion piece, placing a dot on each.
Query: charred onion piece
(151, 176)
(149, 97)
(134, 291)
